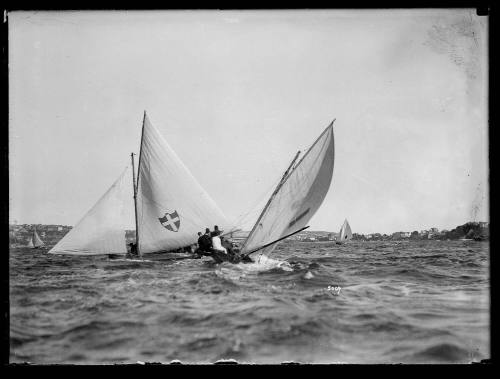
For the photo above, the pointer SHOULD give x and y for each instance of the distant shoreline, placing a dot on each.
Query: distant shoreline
(479, 231)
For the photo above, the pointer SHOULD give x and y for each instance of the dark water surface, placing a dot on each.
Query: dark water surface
(414, 302)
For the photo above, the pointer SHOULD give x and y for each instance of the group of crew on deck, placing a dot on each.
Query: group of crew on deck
(211, 244)
(214, 245)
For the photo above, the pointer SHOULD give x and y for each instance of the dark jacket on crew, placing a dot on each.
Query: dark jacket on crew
(205, 242)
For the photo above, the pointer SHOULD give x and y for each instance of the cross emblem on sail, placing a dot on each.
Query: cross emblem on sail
(166, 184)
(171, 221)
(163, 182)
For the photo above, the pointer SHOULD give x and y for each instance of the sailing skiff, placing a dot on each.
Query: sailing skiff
(171, 207)
(296, 198)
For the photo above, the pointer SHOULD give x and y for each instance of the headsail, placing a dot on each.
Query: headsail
(297, 197)
(172, 207)
(345, 232)
(102, 229)
(36, 240)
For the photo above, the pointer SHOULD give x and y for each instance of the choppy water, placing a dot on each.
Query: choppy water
(414, 302)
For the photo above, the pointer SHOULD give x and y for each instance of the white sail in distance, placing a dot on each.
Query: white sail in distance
(36, 240)
(172, 207)
(345, 232)
(297, 197)
(102, 229)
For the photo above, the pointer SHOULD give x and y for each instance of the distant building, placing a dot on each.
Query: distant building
(398, 235)
(434, 230)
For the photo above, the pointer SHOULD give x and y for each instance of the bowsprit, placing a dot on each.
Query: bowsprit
(171, 221)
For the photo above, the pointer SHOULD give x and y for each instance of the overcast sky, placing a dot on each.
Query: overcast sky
(237, 93)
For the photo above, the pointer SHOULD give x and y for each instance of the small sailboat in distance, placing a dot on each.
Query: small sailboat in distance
(296, 199)
(35, 240)
(345, 233)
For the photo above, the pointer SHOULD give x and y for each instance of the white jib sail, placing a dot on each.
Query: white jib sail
(102, 229)
(345, 232)
(299, 197)
(36, 240)
(172, 207)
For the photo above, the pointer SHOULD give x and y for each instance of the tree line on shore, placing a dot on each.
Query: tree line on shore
(471, 230)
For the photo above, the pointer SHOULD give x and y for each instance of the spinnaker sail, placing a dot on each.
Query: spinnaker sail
(297, 197)
(172, 207)
(102, 229)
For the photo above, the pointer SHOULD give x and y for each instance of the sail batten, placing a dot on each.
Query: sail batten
(172, 207)
(297, 197)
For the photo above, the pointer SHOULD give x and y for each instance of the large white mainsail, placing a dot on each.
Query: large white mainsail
(172, 207)
(297, 197)
(102, 229)
(345, 232)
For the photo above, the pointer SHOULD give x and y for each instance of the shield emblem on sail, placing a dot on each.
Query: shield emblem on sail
(171, 221)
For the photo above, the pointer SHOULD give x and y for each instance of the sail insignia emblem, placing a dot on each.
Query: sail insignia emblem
(171, 221)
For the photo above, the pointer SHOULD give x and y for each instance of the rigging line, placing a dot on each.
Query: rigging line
(256, 206)
(269, 202)
(246, 217)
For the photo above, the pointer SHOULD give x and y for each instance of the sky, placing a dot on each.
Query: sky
(237, 93)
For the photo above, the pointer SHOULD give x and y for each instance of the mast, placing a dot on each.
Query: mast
(136, 186)
(135, 203)
(271, 198)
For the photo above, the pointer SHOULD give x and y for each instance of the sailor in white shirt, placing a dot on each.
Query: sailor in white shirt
(217, 244)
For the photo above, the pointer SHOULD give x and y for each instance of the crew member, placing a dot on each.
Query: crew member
(205, 243)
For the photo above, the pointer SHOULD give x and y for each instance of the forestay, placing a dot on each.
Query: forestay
(102, 229)
(172, 207)
(298, 196)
